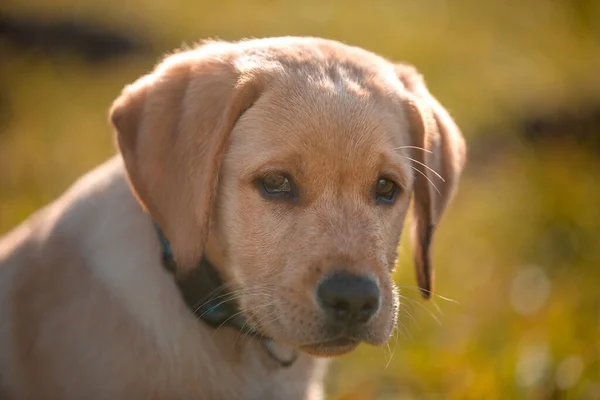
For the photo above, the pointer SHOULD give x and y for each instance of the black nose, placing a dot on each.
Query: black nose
(348, 299)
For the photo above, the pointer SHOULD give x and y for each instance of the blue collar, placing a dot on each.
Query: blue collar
(209, 299)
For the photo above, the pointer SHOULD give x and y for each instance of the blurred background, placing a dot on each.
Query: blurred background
(518, 253)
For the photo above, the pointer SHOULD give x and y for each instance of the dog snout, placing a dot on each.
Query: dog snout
(348, 300)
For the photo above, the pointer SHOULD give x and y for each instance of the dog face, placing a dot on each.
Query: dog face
(296, 160)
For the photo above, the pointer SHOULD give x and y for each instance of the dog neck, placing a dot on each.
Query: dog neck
(210, 300)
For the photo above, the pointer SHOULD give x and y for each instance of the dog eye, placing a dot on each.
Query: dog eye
(386, 191)
(276, 185)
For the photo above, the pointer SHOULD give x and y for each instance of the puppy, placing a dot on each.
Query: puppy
(246, 231)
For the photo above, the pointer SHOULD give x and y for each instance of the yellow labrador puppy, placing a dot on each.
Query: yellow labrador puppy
(246, 232)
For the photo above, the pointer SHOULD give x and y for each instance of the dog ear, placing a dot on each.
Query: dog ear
(172, 128)
(440, 154)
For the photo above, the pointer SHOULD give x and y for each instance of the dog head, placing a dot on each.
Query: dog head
(291, 163)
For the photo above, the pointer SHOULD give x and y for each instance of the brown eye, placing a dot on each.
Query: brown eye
(276, 185)
(386, 191)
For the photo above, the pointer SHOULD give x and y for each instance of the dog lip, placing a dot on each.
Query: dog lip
(330, 347)
(341, 341)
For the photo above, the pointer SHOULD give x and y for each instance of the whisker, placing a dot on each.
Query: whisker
(259, 321)
(437, 307)
(413, 147)
(426, 177)
(239, 313)
(426, 166)
(405, 331)
(396, 336)
(391, 355)
(405, 309)
(227, 320)
(431, 313)
(447, 299)
(230, 296)
(247, 334)
(264, 321)
(253, 315)
(210, 298)
(215, 290)
(416, 288)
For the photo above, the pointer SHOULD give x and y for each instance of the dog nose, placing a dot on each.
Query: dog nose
(348, 299)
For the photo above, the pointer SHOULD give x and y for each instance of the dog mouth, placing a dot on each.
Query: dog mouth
(330, 347)
(332, 343)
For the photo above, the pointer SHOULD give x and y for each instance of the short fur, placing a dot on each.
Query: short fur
(87, 309)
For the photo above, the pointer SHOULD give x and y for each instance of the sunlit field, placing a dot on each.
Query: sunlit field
(517, 255)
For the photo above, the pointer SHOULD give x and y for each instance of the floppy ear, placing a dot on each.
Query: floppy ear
(440, 152)
(172, 128)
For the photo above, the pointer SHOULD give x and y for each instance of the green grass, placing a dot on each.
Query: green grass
(525, 211)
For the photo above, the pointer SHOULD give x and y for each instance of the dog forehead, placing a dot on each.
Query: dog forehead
(306, 145)
(318, 116)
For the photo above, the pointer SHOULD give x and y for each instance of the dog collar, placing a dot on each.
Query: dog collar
(209, 299)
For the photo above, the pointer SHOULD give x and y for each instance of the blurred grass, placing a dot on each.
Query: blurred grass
(518, 251)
